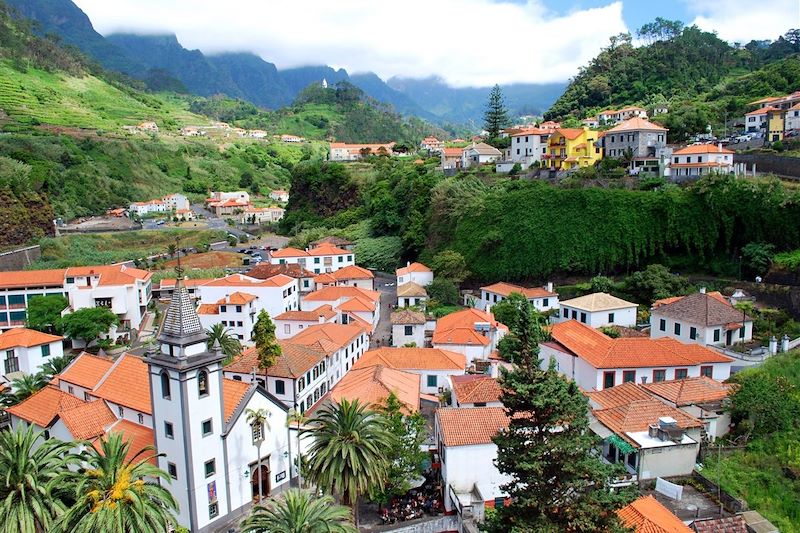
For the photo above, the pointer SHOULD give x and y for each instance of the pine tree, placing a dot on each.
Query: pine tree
(496, 116)
(266, 344)
(557, 483)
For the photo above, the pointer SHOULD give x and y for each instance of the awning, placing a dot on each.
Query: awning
(621, 444)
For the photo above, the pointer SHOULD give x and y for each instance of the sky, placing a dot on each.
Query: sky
(465, 42)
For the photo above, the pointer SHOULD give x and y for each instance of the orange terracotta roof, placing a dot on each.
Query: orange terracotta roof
(232, 394)
(636, 123)
(459, 327)
(266, 271)
(289, 252)
(330, 294)
(328, 337)
(407, 316)
(86, 370)
(325, 311)
(690, 391)
(127, 384)
(167, 283)
(208, 309)
(411, 289)
(237, 298)
(638, 415)
(466, 426)
(111, 274)
(704, 309)
(647, 515)
(601, 351)
(372, 385)
(87, 420)
(240, 280)
(704, 164)
(531, 131)
(453, 152)
(413, 359)
(327, 248)
(32, 278)
(325, 279)
(26, 337)
(413, 267)
(765, 100)
(476, 388)
(622, 394)
(42, 407)
(294, 361)
(702, 149)
(504, 289)
(357, 304)
(570, 133)
(140, 437)
(352, 272)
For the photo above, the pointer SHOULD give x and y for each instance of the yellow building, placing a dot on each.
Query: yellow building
(572, 147)
(775, 124)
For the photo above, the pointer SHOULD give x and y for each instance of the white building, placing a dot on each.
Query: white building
(470, 478)
(599, 309)
(541, 298)
(24, 351)
(290, 323)
(279, 195)
(323, 258)
(261, 215)
(355, 152)
(177, 401)
(792, 120)
(349, 276)
(150, 206)
(431, 144)
(649, 438)
(703, 318)
(352, 304)
(408, 327)
(176, 202)
(478, 154)
(434, 366)
(411, 295)
(414, 272)
(528, 146)
(471, 332)
(756, 120)
(596, 361)
(237, 311)
(701, 159)
(221, 196)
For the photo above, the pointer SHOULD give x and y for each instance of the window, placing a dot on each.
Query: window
(210, 467)
(677, 328)
(70, 280)
(741, 332)
(213, 510)
(287, 329)
(681, 373)
(316, 260)
(172, 470)
(202, 383)
(545, 302)
(608, 379)
(432, 381)
(12, 362)
(121, 411)
(223, 308)
(659, 375)
(662, 325)
(207, 427)
(629, 376)
(45, 350)
(141, 418)
(349, 257)
(239, 323)
(238, 308)
(583, 318)
(692, 333)
(408, 330)
(169, 431)
(257, 432)
(280, 387)
(341, 259)
(305, 283)
(574, 314)
(165, 388)
(610, 318)
(707, 371)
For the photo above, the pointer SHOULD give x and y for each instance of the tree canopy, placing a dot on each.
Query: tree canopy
(495, 118)
(88, 324)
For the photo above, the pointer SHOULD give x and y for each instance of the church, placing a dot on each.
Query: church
(177, 400)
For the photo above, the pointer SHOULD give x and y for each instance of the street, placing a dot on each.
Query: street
(386, 284)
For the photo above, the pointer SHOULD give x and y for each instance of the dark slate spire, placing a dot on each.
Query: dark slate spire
(181, 324)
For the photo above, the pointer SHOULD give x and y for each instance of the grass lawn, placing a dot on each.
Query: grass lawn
(757, 476)
(106, 248)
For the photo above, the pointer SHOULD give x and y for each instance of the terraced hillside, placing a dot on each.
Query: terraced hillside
(33, 95)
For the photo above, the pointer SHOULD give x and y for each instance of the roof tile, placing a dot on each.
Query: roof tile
(647, 515)
(465, 426)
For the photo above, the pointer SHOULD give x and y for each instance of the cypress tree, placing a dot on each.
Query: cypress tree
(496, 116)
(557, 482)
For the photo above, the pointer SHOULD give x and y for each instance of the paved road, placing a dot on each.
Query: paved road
(387, 285)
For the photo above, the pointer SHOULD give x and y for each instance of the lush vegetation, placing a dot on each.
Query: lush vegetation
(299, 511)
(106, 248)
(767, 409)
(697, 75)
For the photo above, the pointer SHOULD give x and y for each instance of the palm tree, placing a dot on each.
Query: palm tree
(23, 387)
(28, 470)
(229, 344)
(298, 418)
(172, 249)
(257, 418)
(57, 365)
(347, 455)
(117, 495)
(298, 511)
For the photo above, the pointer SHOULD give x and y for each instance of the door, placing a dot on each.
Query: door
(263, 478)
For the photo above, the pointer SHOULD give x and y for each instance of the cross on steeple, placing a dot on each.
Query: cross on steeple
(178, 268)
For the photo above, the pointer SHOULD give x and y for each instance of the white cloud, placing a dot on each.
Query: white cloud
(745, 20)
(466, 42)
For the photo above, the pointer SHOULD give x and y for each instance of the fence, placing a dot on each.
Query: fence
(735, 505)
(20, 258)
(782, 165)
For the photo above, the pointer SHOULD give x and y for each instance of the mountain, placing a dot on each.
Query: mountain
(371, 84)
(467, 104)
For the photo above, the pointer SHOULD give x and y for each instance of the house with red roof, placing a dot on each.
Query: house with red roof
(596, 361)
(431, 145)
(648, 515)
(352, 304)
(707, 319)
(349, 276)
(414, 272)
(355, 152)
(475, 390)
(434, 366)
(541, 298)
(700, 160)
(471, 332)
(290, 323)
(24, 351)
(325, 258)
(528, 145)
(451, 158)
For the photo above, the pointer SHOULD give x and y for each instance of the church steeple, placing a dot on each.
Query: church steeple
(181, 324)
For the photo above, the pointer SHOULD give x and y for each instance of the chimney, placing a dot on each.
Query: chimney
(408, 263)
(719, 146)
(652, 431)
(549, 286)
(702, 290)
(321, 319)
